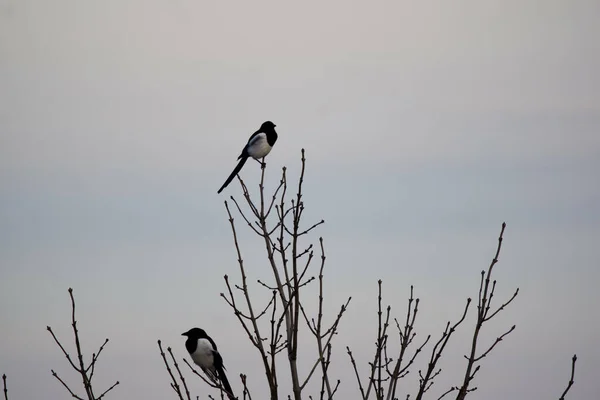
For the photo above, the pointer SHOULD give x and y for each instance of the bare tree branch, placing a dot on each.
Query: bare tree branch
(426, 381)
(502, 306)
(49, 329)
(54, 374)
(246, 392)
(316, 329)
(360, 386)
(270, 373)
(174, 383)
(572, 379)
(498, 340)
(108, 390)
(486, 293)
(95, 357)
(452, 389)
(84, 377)
(282, 236)
(406, 337)
(86, 373)
(4, 386)
(187, 392)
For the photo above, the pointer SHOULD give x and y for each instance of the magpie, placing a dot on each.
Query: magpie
(203, 351)
(259, 145)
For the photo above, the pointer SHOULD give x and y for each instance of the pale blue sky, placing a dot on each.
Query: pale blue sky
(425, 126)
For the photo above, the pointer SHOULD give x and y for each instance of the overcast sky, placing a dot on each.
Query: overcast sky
(426, 125)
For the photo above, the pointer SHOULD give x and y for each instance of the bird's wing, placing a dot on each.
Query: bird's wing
(220, 370)
(212, 343)
(211, 373)
(218, 360)
(258, 135)
(253, 137)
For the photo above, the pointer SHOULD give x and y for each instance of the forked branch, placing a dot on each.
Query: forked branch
(486, 294)
(291, 263)
(86, 372)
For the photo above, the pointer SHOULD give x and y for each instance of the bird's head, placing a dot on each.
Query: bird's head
(195, 333)
(267, 126)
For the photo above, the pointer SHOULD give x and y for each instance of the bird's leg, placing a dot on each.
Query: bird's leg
(262, 162)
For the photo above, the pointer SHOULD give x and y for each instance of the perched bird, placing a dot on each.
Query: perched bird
(203, 351)
(259, 145)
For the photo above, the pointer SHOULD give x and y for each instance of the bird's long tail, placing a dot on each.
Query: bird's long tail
(225, 383)
(236, 170)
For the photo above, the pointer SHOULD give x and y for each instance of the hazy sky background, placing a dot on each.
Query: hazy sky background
(426, 124)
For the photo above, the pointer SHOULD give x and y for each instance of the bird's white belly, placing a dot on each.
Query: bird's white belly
(203, 356)
(259, 146)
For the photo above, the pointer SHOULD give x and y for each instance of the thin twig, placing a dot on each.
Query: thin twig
(187, 392)
(503, 305)
(246, 392)
(406, 336)
(258, 342)
(108, 390)
(81, 370)
(4, 386)
(498, 340)
(452, 389)
(486, 293)
(174, 383)
(54, 374)
(49, 329)
(86, 373)
(362, 391)
(377, 365)
(95, 356)
(427, 380)
(572, 379)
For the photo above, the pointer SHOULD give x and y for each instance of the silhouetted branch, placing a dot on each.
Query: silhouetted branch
(290, 264)
(316, 329)
(187, 392)
(571, 380)
(503, 305)
(54, 374)
(382, 362)
(257, 340)
(4, 386)
(360, 386)
(498, 340)
(452, 389)
(108, 390)
(95, 358)
(245, 392)
(426, 381)
(86, 373)
(486, 293)
(174, 383)
(406, 337)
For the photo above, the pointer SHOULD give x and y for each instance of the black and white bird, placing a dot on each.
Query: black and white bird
(203, 351)
(259, 145)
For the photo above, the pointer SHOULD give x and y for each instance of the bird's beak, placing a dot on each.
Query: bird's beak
(184, 334)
